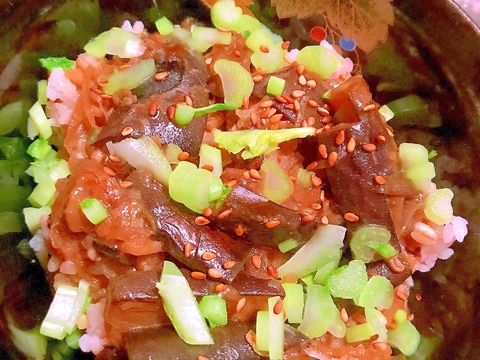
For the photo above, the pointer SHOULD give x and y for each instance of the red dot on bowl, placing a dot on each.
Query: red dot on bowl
(318, 33)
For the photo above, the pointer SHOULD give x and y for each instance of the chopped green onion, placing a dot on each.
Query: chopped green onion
(276, 184)
(348, 281)
(182, 307)
(387, 113)
(39, 149)
(293, 302)
(438, 206)
(386, 251)
(130, 78)
(94, 210)
(185, 113)
(237, 82)
(275, 85)
(214, 309)
(43, 194)
(51, 63)
(164, 26)
(258, 142)
(322, 248)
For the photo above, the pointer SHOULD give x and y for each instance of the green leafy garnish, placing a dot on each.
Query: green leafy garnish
(51, 63)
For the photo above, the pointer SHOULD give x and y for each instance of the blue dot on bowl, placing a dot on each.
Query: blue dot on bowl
(347, 44)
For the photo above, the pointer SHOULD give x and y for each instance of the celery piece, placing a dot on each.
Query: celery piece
(10, 222)
(321, 314)
(318, 59)
(275, 85)
(377, 293)
(438, 206)
(42, 92)
(39, 149)
(185, 36)
(214, 309)
(182, 307)
(386, 251)
(130, 78)
(424, 170)
(322, 274)
(378, 321)
(287, 245)
(94, 210)
(72, 339)
(194, 187)
(405, 337)
(116, 41)
(59, 312)
(12, 116)
(363, 236)
(260, 37)
(39, 121)
(30, 342)
(360, 332)
(272, 60)
(43, 193)
(293, 302)
(308, 279)
(348, 281)
(83, 293)
(322, 248)
(143, 153)
(257, 142)
(211, 156)
(304, 177)
(277, 185)
(262, 330)
(237, 82)
(210, 36)
(276, 336)
(32, 217)
(53, 62)
(164, 26)
(171, 152)
(387, 113)
(411, 154)
(224, 14)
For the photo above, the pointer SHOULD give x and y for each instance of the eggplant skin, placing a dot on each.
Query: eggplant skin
(163, 343)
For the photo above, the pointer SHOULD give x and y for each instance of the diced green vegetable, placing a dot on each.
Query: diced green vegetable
(258, 142)
(12, 116)
(39, 121)
(64, 311)
(276, 184)
(211, 156)
(237, 82)
(182, 307)
(318, 59)
(261, 37)
(366, 235)
(94, 210)
(143, 153)
(184, 114)
(411, 154)
(384, 250)
(438, 206)
(33, 215)
(214, 309)
(195, 188)
(210, 36)
(287, 245)
(293, 302)
(322, 274)
(171, 152)
(321, 314)
(377, 293)
(360, 332)
(322, 248)
(39, 149)
(405, 337)
(387, 113)
(30, 342)
(164, 26)
(275, 85)
(304, 177)
(130, 78)
(348, 281)
(43, 194)
(51, 63)
(277, 332)
(262, 330)
(115, 41)
(378, 321)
